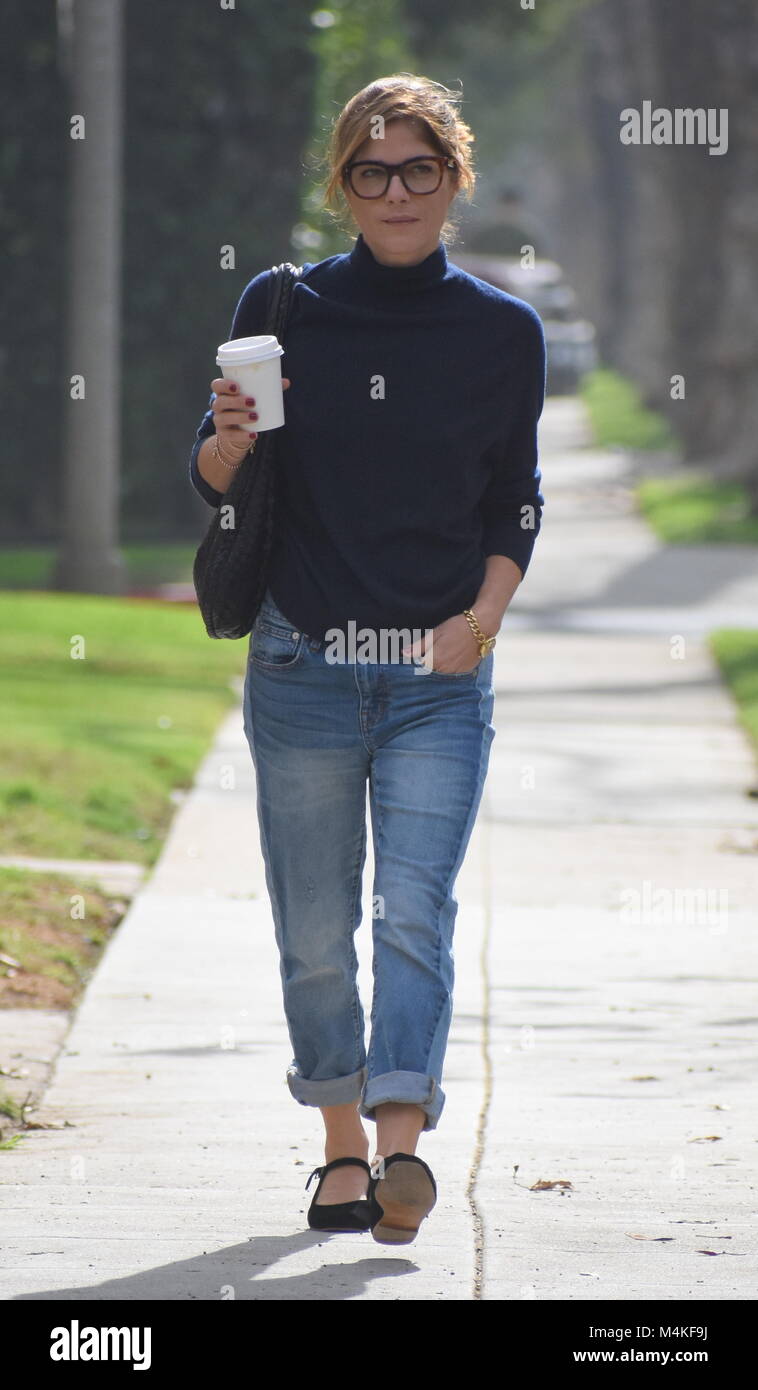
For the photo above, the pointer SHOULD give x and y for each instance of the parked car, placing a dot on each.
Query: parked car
(569, 339)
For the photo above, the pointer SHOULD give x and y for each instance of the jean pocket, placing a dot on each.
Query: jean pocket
(453, 675)
(274, 642)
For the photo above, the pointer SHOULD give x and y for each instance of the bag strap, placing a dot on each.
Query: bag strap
(280, 295)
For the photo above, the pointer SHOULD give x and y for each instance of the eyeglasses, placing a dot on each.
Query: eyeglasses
(370, 178)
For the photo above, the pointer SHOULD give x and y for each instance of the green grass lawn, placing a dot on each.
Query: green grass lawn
(618, 416)
(53, 927)
(691, 510)
(686, 508)
(736, 651)
(92, 745)
(30, 566)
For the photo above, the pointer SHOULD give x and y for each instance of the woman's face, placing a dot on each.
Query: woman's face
(407, 241)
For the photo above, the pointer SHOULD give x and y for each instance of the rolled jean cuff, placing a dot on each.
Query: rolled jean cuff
(408, 1088)
(337, 1090)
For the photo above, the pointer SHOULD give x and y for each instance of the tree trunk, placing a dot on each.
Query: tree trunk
(89, 560)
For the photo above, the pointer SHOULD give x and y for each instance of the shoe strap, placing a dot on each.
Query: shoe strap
(337, 1163)
(316, 1172)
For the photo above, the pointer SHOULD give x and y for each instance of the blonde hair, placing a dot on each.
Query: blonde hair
(403, 95)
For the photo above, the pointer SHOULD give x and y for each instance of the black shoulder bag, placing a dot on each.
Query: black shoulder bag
(231, 565)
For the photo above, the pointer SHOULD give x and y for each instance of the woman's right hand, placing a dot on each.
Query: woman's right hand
(234, 417)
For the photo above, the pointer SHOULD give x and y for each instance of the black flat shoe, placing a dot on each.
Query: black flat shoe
(403, 1192)
(340, 1216)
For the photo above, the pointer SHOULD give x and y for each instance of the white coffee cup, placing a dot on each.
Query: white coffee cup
(253, 363)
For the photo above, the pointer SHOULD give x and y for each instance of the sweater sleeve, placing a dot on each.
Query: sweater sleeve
(511, 506)
(249, 319)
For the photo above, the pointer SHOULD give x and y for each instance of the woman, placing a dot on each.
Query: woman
(408, 500)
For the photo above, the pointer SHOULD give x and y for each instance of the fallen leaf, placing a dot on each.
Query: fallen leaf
(632, 1236)
(544, 1186)
(644, 1078)
(704, 1139)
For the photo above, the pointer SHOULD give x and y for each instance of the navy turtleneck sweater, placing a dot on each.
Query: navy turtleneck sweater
(409, 449)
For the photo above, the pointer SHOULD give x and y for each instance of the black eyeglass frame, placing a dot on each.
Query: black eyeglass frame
(442, 160)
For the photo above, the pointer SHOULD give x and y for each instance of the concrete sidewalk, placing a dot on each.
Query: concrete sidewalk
(605, 1025)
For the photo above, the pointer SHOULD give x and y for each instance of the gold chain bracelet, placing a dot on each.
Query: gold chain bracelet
(485, 643)
(231, 466)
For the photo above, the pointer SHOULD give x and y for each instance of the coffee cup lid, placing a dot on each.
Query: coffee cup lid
(255, 349)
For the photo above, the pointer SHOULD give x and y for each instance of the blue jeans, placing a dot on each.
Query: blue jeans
(317, 730)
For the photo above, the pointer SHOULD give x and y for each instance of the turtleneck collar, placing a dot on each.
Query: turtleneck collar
(397, 278)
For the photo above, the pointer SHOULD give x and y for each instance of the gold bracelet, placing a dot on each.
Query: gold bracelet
(485, 643)
(231, 466)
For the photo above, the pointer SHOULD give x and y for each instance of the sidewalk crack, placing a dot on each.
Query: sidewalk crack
(483, 1117)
